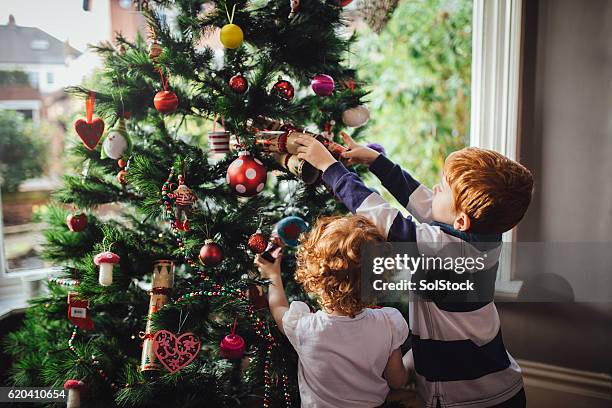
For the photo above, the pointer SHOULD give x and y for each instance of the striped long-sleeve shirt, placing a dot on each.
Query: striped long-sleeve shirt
(459, 355)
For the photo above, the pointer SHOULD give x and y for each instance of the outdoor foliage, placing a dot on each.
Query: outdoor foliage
(418, 71)
(22, 151)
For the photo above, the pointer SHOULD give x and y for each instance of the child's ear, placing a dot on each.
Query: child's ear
(462, 222)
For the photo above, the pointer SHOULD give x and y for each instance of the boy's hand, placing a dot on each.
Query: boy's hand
(267, 269)
(314, 152)
(358, 154)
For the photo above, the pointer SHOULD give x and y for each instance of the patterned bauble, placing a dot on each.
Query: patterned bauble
(290, 228)
(78, 222)
(322, 85)
(246, 175)
(356, 117)
(257, 242)
(238, 83)
(231, 36)
(211, 254)
(283, 89)
(166, 101)
(232, 347)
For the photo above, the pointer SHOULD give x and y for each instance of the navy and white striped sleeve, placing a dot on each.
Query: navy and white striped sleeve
(359, 199)
(411, 194)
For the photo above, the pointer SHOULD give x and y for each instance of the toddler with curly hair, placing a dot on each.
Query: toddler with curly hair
(349, 354)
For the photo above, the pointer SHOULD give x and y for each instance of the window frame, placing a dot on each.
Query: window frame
(497, 43)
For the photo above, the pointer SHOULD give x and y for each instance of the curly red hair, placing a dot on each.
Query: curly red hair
(328, 261)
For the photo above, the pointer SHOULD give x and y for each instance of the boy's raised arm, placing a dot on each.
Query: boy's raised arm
(409, 192)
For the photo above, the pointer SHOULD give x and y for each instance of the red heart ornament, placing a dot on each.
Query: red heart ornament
(175, 352)
(90, 133)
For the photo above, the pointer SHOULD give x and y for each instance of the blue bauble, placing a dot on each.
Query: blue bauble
(289, 230)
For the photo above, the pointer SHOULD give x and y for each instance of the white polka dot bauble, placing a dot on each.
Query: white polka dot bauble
(246, 175)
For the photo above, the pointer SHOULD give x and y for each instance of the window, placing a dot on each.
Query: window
(50, 78)
(33, 78)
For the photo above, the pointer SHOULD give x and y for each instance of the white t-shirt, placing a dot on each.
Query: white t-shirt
(342, 359)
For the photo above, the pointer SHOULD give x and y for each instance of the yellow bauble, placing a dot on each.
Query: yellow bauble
(231, 36)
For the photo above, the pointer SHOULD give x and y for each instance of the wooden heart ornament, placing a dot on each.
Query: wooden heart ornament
(90, 133)
(175, 352)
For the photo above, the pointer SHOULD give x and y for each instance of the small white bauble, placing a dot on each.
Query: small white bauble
(115, 144)
(356, 117)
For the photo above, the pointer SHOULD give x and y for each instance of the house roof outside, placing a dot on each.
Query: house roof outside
(30, 45)
(18, 92)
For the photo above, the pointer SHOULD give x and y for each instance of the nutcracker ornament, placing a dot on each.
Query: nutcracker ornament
(89, 130)
(183, 201)
(163, 281)
(246, 175)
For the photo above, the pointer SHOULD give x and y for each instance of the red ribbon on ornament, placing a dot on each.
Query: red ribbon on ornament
(164, 79)
(89, 106)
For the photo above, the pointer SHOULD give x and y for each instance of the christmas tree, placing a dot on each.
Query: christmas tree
(164, 305)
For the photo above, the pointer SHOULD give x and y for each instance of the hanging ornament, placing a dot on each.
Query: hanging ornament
(238, 83)
(231, 35)
(246, 175)
(122, 177)
(377, 13)
(106, 260)
(211, 254)
(283, 89)
(155, 50)
(76, 222)
(183, 200)
(295, 5)
(219, 141)
(257, 242)
(290, 228)
(74, 388)
(121, 163)
(356, 117)
(232, 346)
(90, 130)
(78, 312)
(322, 85)
(117, 143)
(163, 281)
(165, 101)
(344, 3)
(175, 352)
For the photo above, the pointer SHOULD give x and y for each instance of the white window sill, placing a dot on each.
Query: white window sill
(16, 288)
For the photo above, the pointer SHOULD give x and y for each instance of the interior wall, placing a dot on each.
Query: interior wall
(566, 140)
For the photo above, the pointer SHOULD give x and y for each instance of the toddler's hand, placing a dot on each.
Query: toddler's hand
(314, 152)
(358, 154)
(268, 269)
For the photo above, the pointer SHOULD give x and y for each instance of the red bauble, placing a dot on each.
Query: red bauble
(211, 254)
(76, 222)
(238, 83)
(257, 242)
(246, 175)
(121, 177)
(166, 101)
(232, 347)
(121, 163)
(283, 89)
